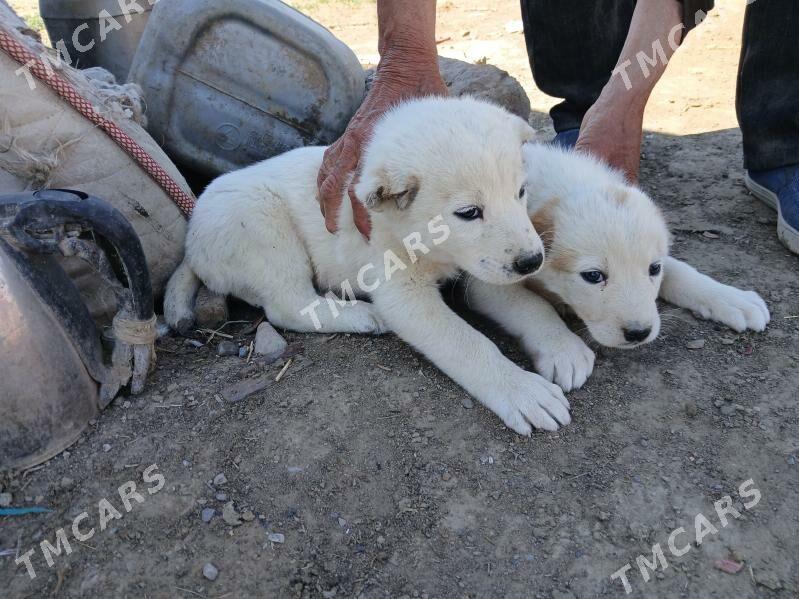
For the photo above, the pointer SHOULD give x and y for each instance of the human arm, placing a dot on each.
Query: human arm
(612, 127)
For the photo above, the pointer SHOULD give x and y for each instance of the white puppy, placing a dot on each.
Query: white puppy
(444, 179)
(608, 260)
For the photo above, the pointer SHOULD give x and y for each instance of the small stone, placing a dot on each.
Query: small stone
(243, 351)
(467, 403)
(791, 460)
(210, 309)
(247, 516)
(208, 514)
(5, 499)
(67, 483)
(269, 343)
(381, 540)
(230, 515)
(227, 348)
(446, 476)
(330, 594)
(603, 516)
(192, 342)
(342, 522)
(106, 447)
(125, 405)
(210, 571)
(728, 409)
(275, 537)
(221, 496)
(727, 341)
(220, 479)
(695, 344)
(690, 409)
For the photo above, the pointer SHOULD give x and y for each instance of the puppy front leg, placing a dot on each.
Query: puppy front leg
(686, 287)
(416, 312)
(558, 354)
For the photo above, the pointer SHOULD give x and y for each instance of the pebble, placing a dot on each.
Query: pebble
(467, 403)
(269, 343)
(210, 571)
(106, 447)
(227, 348)
(192, 342)
(5, 499)
(728, 409)
(276, 537)
(220, 479)
(67, 482)
(791, 460)
(210, 309)
(342, 522)
(208, 514)
(727, 341)
(695, 344)
(243, 351)
(230, 515)
(247, 516)
(221, 496)
(690, 409)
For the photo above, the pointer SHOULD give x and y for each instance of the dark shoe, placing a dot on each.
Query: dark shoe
(566, 139)
(779, 189)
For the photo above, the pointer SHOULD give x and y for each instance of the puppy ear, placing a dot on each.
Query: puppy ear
(377, 191)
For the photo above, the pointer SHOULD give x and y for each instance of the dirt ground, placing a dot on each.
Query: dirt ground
(385, 481)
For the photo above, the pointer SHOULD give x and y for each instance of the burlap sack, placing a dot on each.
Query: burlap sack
(44, 142)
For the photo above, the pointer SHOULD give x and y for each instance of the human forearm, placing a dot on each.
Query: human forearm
(612, 127)
(407, 43)
(655, 34)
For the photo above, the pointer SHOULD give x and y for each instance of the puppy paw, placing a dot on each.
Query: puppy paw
(566, 361)
(527, 400)
(363, 318)
(740, 310)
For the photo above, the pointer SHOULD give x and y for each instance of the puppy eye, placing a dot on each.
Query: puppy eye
(655, 268)
(469, 213)
(522, 191)
(595, 277)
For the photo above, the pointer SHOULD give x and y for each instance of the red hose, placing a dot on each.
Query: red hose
(67, 91)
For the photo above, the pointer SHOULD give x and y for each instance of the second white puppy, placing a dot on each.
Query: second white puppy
(608, 261)
(444, 178)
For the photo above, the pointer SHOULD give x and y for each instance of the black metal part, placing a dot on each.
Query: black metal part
(44, 211)
(33, 225)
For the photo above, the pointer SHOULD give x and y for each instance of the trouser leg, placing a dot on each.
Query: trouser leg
(768, 84)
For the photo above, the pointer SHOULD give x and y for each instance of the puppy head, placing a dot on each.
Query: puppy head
(451, 171)
(606, 247)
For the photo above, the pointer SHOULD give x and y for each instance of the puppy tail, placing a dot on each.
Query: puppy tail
(181, 292)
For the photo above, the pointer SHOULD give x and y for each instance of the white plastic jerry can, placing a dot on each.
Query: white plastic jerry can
(231, 83)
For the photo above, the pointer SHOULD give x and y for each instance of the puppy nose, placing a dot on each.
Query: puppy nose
(636, 335)
(528, 263)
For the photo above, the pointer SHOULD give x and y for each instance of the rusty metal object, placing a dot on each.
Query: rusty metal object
(46, 395)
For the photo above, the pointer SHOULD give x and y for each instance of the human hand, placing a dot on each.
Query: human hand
(612, 132)
(399, 77)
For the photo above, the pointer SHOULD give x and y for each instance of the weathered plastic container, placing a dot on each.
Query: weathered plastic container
(230, 83)
(97, 33)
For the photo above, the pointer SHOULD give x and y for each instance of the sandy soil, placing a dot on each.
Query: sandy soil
(385, 484)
